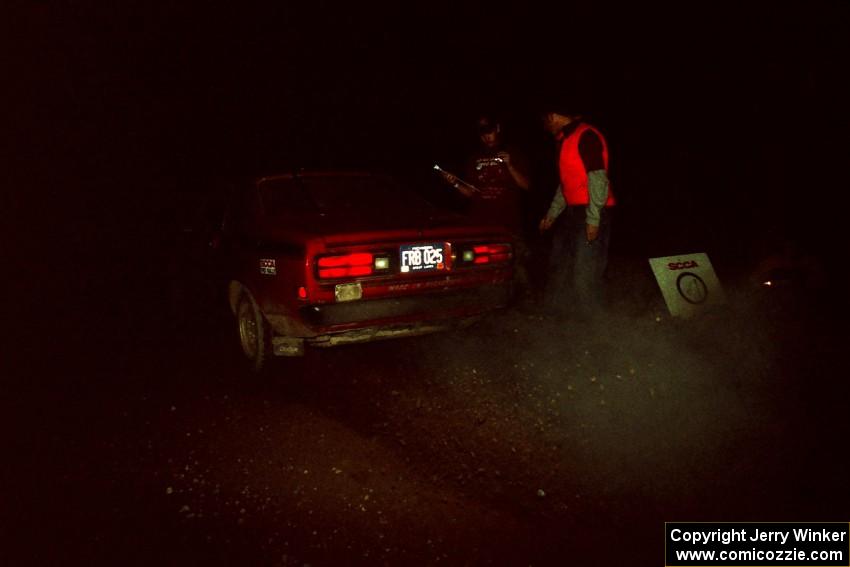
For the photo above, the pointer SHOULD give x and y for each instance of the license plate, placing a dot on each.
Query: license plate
(348, 291)
(421, 257)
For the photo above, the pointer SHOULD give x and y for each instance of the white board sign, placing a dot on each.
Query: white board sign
(688, 283)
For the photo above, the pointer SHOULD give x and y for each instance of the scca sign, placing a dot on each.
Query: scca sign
(688, 283)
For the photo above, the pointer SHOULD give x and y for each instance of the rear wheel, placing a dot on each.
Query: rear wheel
(254, 332)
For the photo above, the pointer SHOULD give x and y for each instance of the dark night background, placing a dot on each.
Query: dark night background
(709, 109)
(727, 126)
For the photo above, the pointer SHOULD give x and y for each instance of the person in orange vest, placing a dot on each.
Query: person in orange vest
(579, 216)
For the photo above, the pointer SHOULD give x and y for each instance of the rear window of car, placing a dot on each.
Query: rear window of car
(337, 194)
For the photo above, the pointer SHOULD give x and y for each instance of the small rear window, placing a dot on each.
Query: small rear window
(350, 194)
(284, 196)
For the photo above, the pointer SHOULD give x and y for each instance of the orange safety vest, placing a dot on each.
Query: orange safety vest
(572, 172)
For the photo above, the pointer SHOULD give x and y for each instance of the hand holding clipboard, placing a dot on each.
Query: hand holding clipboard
(456, 182)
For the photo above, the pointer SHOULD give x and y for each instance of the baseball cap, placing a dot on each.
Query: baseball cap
(487, 124)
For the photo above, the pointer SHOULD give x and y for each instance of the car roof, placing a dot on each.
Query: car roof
(316, 174)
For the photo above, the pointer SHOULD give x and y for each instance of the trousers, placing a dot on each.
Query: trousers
(577, 266)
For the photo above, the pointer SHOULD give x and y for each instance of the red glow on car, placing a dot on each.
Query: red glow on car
(346, 265)
(491, 253)
(356, 259)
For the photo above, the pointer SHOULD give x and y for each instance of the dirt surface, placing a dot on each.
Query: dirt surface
(522, 440)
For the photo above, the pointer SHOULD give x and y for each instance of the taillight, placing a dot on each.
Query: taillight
(346, 265)
(488, 254)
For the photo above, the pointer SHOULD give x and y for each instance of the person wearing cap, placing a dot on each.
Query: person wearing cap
(494, 181)
(579, 216)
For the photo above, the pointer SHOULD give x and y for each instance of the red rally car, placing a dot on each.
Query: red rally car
(331, 258)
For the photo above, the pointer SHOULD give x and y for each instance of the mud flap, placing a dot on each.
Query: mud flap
(287, 346)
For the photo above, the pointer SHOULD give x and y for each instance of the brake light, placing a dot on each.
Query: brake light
(491, 253)
(346, 265)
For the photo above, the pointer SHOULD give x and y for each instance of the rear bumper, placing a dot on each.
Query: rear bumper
(376, 319)
(458, 303)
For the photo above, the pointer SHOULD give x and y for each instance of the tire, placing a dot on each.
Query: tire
(253, 331)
